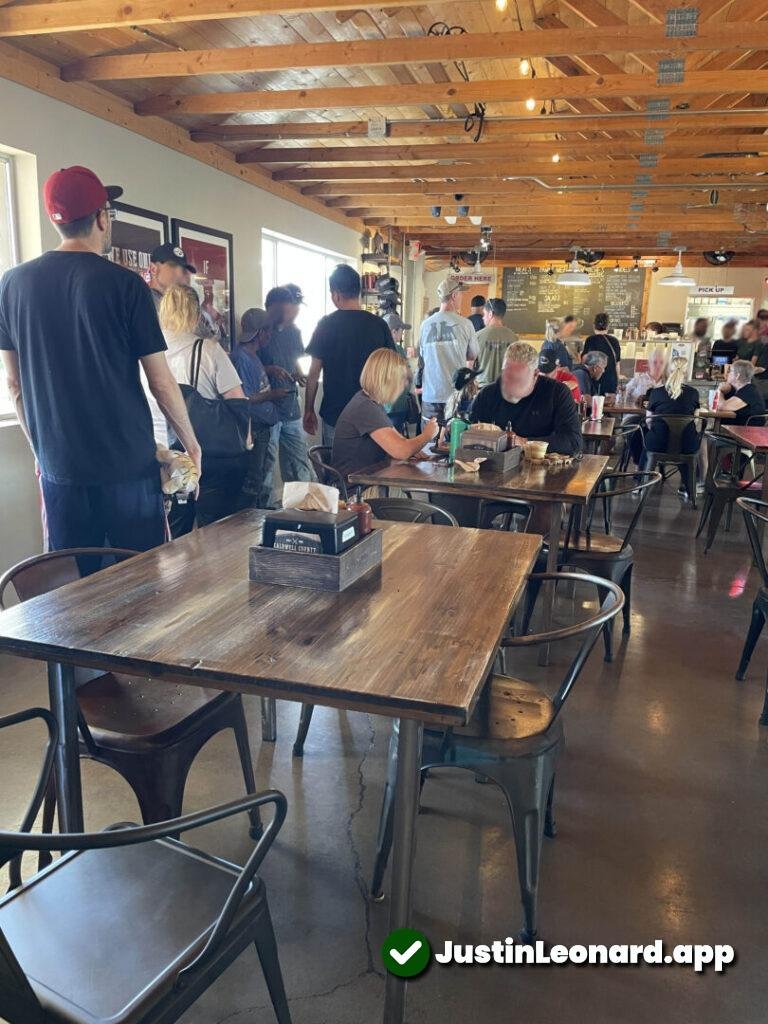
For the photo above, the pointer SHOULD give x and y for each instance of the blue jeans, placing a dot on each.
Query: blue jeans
(328, 433)
(122, 515)
(287, 441)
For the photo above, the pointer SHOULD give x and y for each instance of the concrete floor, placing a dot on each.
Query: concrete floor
(660, 810)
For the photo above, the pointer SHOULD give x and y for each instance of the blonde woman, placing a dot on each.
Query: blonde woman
(364, 432)
(673, 398)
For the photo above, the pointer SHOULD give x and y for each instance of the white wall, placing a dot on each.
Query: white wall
(153, 177)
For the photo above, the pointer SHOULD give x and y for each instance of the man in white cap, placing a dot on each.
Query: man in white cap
(447, 341)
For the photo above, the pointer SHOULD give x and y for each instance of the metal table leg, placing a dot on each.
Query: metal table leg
(403, 849)
(69, 794)
(268, 719)
(553, 539)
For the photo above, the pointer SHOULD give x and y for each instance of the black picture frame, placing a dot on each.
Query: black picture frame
(200, 244)
(135, 233)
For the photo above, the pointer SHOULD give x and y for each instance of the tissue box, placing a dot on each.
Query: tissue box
(311, 532)
(487, 440)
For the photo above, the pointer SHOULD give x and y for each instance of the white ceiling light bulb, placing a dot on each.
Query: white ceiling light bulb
(530, 104)
(475, 219)
(501, 5)
(450, 218)
(573, 276)
(678, 279)
(525, 66)
(555, 158)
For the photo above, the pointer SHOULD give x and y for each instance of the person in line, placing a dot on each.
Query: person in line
(539, 409)
(76, 320)
(447, 341)
(402, 411)
(364, 433)
(548, 367)
(645, 380)
(256, 329)
(339, 347)
(762, 322)
(700, 337)
(477, 306)
(740, 394)
(493, 340)
(727, 345)
(168, 265)
(563, 344)
(749, 341)
(280, 356)
(608, 344)
(590, 374)
(223, 475)
(673, 398)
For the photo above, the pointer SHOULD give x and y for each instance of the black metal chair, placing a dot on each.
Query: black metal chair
(400, 510)
(608, 556)
(673, 455)
(148, 730)
(755, 517)
(173, 916)
(320, 457)
(723, 485)
(407, 510)
(514, 739)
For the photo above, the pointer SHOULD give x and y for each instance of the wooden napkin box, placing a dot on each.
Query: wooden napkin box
(315, 571)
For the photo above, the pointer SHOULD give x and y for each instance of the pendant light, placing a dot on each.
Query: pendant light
(677, 279)
(573, 276)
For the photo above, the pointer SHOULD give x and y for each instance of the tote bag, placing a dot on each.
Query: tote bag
(222, 425)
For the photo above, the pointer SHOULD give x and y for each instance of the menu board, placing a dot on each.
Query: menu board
(532, 297)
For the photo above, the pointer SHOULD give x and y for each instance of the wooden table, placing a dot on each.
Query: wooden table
(572, 485)
(597, 432)
(756, 440)
(186, 611)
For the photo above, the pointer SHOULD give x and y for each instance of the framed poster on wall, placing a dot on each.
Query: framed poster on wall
(135, 233)
(211, 253)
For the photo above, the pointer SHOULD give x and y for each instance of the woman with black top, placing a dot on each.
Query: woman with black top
(602, 341)
(740, 393)
(674, 398)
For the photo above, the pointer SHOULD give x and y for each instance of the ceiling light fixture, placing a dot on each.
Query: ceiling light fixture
(574, 277)
(476, 220)
(501, 5)
(436, 210)
(678, 279)
(450, 218)
(530, 104)
(555, 158)
(525, 67)
(462, 211)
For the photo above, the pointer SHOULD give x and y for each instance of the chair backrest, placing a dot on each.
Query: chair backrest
(758, 420)
(407, 510)
(320, 457)
(613, 485)
(755, 516)
(41, 574)
(610, 606)
(676, 428)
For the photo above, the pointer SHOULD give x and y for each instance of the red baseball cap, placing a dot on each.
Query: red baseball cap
(74, 192)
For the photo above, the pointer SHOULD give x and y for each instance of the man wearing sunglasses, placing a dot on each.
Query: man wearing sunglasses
(74, 328)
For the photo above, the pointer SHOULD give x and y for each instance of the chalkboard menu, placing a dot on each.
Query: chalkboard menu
(532, 297)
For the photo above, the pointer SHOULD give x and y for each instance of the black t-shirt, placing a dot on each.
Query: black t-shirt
(661, 403)
(725, 348)
(342, 342)
(353, 446)
(754, 404)
(477, 321)
(547, 414)
(79, 325)
(609, 346)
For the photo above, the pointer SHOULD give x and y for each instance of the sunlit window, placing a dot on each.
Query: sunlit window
(8, 252)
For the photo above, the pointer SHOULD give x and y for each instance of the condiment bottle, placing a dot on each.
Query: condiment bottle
(510, 436)
(364, 513)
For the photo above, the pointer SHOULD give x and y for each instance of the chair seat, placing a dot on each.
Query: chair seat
(127, 712)
(102, 934)
(509, 709)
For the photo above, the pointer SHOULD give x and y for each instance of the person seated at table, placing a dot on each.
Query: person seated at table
(727, 345)
(673, 398)
(590, 374)
(645, 380)
(740, 394)
(364, 432)
(538, 409)
(548, 367)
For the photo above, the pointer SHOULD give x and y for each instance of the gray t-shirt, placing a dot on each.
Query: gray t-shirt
(493, 342)
(447, 341)
(353, 447)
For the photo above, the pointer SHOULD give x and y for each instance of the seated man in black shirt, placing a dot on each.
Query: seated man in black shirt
(740, 394)
(538, 408)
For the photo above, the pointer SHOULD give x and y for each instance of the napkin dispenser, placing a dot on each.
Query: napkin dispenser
(310, 532)
(490, 441)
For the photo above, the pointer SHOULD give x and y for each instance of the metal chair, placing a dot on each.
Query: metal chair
(722, 485)
(608, 556)
(320, 457)
(673, 454)
(408, 510)
(399, 510)
(148, 730)
(513, 516)
(755, 517)
(174, 916)
(514, 739)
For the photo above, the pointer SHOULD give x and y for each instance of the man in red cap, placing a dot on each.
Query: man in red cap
(73, 329)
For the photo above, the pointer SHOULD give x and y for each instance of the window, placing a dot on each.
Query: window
(9, 254)
(288, 261)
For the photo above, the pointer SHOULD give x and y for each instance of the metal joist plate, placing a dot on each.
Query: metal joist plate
(671, 71)
(682, 21)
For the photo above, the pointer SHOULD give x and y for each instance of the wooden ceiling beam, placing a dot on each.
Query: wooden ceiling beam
(444, 94)
(495, 186)
(689, 145)
(566, 42)
(496, 197)
(91, 15)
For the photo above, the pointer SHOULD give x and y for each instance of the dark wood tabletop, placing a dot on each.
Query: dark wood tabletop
(416, 638)
(715, 414)
(573, 484)
(598, 428)
(754, 438)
